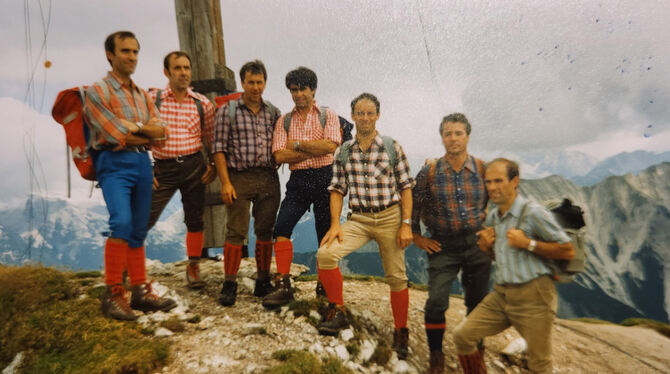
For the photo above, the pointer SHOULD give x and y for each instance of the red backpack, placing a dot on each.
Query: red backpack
(68, 110)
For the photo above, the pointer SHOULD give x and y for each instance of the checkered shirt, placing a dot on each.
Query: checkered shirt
(308, 129)
(369, 177)
(248, 142)
(453, 201)
(127, 102)
(183, 123)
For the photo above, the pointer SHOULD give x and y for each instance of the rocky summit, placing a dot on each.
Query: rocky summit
(243, 338)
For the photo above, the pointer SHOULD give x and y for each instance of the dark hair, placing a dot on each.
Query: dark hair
(253, 67)
(110, 45)
(456, 117)
(366, 96)
(177, 54)
(301, 77)
(512, 167)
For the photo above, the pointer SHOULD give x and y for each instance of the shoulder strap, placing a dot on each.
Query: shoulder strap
(287, 121)
(390, 150)
(432, 169)
(159, 100)
(273, 111)
(201, 113)
(232, 107)
(345, 151)
(323, 116)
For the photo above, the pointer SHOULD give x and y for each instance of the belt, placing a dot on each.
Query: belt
(372, 209)
(128, 148)
(179, 159)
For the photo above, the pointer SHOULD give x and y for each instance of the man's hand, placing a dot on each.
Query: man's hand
(487, 237)
(404, 237)
(155, 185)
(209, 175)
(334, 232)
(228, 193)
(427, 244)
(517, 239)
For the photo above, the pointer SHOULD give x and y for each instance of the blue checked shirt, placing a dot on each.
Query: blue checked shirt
(516, 266)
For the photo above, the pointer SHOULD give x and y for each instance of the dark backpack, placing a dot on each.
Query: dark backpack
(345, 126)
(571, 218)
(68, 110)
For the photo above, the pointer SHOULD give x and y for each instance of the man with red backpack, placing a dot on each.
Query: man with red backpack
(123, 121)
(180, 163)
(243, 156)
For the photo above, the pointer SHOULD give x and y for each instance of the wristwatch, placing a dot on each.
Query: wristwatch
(407, 221)
(139, 126)
(296, 145)
(532, 245)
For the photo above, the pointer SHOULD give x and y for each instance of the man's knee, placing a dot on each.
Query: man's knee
(396, 283)
(434, 313)
(465, 344)
(326, 258)
(195, 225)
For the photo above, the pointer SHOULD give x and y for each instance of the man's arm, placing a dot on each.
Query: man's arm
(404, 236)
(335, 230)
(314, 147)
(554, 250)
(419, 201)
(228, 193)
(290, 156)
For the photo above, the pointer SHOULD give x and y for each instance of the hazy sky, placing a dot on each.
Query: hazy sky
(531, 75)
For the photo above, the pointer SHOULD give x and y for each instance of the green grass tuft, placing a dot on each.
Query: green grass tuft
(381, 355)
(303, 362)
(41, 315)
(661, 327)
(595, 321)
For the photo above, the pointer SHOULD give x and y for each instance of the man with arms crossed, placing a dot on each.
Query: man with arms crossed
(308, 149)
(450, 198)
(248, 174)
(123, 120)
(180, 162)
(521, 235)
(376, 174)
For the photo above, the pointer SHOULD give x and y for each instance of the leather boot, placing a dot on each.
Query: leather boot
(436, 362)
(114, 304)
(472, 363)
(282, 295)
(144, 298)
(193, 280)
(401, 342)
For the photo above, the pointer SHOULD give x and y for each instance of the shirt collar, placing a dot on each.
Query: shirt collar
(517, 206)
(376, 141)
(168, 91)
(115, 81)
(314, 106)
(469, 163)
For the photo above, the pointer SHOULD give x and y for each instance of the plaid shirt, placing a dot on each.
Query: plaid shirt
(183, 123)
(248, 143)
(127, 102)
(308, 129)
(369, 177)
(453, 201)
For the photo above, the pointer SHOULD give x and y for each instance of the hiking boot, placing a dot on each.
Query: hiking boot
(228, 293)
(193, 280)
(401, 342)
(263, 287)
(320, 291)
(436, 362)
(114, 304)
(144, 298)
(336, 320)
(282, 295)
(472, 363)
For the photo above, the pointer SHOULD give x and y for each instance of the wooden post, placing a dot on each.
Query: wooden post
(201, 36)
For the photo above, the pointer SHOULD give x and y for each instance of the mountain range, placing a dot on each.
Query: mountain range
(627, 218)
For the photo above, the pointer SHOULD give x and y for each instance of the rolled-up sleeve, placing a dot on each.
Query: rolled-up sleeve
(339, 181)
(404, 178)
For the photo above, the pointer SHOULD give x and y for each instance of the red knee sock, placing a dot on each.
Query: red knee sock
(332, 283)
(263, 255)
(194, 241)
(400, 306)
(232, 256)
(284, 256)
(137, 268)
(115, 259)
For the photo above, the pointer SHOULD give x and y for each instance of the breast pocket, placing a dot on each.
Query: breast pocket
(383, 170)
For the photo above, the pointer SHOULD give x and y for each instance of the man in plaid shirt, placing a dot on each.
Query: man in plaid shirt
(450, 198)
(248, 174)
(123, 120)
(379, 184)
(179, 162)
(308, 148)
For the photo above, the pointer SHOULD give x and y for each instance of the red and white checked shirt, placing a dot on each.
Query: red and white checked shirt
(308, 129)
(183, 122)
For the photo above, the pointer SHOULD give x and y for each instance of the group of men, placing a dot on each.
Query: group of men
(443, 211)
